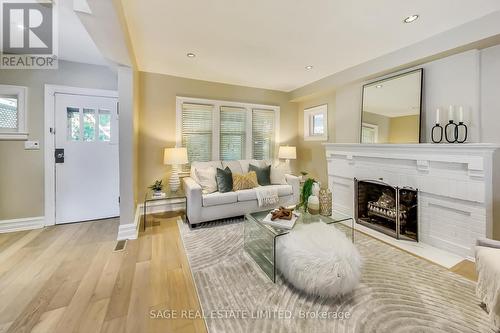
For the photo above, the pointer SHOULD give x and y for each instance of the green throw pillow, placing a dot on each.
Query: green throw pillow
(263, 174)
(224, 180)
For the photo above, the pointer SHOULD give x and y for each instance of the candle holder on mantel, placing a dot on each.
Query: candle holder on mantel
(458, 128)
(451, 126)
(440, 130)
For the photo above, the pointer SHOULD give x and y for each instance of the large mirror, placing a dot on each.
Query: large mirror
(391, 109)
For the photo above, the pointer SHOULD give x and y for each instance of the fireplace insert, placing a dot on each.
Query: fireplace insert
(388, 209)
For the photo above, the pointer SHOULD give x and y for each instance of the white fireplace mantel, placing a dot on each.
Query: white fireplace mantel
(456, 184)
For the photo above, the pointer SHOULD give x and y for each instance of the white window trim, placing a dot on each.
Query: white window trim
(375, 127)
(22, 112)
(308, 115)
(216, 122)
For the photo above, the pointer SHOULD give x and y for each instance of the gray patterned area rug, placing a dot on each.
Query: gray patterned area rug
(398, 292)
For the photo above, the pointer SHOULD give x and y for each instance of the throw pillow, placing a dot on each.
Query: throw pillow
(244, 181)
(224, 180)
(263, 174)
(278, 172)
(206, 179)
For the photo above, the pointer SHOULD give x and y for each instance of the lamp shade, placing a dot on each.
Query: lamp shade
(175, 156)
(287, 152)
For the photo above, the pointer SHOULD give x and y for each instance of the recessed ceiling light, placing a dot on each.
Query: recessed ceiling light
(191, 55)
(378, 86)
(309, 67)
(411, 18)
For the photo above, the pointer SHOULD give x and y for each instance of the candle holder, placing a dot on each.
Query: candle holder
(451, 126)
(457, 132)
(440, 130)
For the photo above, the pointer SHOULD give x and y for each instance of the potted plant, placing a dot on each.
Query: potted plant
(306, 192)
(157, 188)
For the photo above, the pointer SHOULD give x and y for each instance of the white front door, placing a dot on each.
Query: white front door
(86, 173)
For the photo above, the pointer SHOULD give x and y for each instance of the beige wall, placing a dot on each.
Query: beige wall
(404, 129)
(21, 171)
(382, 122)
(311, 154)
(157, 116)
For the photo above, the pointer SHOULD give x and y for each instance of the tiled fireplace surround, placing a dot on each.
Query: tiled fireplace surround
(455, 182)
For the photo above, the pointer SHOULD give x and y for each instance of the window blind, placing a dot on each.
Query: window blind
(263, 134)
(197, 131)
(232, 133)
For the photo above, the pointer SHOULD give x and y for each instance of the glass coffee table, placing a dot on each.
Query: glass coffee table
(260, 238)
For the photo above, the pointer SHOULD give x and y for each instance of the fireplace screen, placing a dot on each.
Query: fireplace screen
(388, 209)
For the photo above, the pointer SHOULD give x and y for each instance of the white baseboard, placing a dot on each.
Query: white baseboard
(131, 230)
(28, 223)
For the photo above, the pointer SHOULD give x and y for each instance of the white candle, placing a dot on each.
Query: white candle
(461, 114)
(437, 115)
(450, 113)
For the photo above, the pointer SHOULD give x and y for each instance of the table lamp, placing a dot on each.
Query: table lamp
(287, 153)
(175, 157)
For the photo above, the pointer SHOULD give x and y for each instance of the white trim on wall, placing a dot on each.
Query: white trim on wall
(28, 223)
(49, 125)
(179, 100)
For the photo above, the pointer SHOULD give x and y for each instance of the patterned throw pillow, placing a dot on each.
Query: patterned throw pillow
(244, 181)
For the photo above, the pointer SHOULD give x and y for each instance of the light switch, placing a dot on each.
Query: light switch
(31, 145)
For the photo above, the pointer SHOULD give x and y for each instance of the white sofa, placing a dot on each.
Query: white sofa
(208, 207)
(488, 271)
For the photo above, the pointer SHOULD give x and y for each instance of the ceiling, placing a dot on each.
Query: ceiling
(267, 44)
(394, 97)
(75, 43)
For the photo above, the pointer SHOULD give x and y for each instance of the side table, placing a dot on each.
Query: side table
(169, 195)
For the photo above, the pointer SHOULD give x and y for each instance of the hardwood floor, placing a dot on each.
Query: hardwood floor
(68, 279)
(467, 269)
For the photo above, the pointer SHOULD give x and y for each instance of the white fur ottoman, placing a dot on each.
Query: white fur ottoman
(319, 259)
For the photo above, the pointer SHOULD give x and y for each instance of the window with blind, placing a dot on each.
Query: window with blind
(196, 132)
(232, 133)
(221, 130)
(263, 134)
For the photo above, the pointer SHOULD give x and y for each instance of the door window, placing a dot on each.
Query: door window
(73, 124)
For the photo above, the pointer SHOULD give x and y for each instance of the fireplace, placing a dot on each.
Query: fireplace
(387, 209)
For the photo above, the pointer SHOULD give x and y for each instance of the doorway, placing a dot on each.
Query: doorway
(82, 150)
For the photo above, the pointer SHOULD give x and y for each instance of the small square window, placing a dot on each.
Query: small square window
(13, 113)
(316, 123)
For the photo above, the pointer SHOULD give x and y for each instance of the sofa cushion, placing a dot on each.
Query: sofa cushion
(203, 165)
(206, 179)
(217, 198)
(278, 173)
(263, 174)
(246, 195)
(235, 166)
(224, 180)
(245, 181)
(245, 163)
